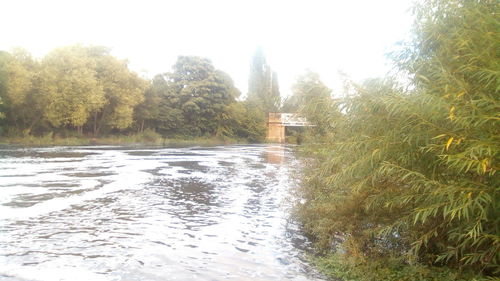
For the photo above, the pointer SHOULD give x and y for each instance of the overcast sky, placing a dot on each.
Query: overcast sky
(352, 36)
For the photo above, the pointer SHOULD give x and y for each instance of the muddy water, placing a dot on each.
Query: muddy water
(115, 213)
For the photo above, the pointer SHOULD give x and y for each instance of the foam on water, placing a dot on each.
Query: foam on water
(115, 213)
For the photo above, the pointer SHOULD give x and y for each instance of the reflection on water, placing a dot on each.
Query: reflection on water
(115, 213)
(275, 154)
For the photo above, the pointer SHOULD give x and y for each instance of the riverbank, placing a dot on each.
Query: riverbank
(133, 139)
(338, 266)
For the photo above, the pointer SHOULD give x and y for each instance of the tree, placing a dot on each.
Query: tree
(123, 91)
(312, 99)
(164, 103)
(19, 92)
(4, 56)
(309, 94)
(263, 89)
(70, 89)
(413, 171)
(454, 63)
(244, 121)
(3, 80)
(146, 113)
(275, 90)
(195, 97)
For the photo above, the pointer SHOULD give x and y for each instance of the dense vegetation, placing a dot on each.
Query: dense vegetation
(79, 91)
(403, 183)
(402, 175)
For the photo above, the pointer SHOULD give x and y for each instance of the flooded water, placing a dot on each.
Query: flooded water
(116, 213)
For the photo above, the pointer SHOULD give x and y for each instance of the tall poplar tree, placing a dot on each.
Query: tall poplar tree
(275, 90)
(263, 89)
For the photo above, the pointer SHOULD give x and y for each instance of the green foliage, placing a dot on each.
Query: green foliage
(200, 93)
(388, 269)
(307, 92)
(263, 89)
(3, 79)
(3, 84)
(312, 98)
(69, 87)
(413, 172)
(123, 91)
(86, 85)
(244, 121)
(4, 58)
(74, 86)
(87, 89)
(146, 113)
(18, 91)
(198, 100)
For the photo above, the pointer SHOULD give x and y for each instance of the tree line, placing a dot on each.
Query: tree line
(84, 90)
(402, 178)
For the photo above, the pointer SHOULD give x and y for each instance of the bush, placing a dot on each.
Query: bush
(412, 171)
(149, 136)
(388, 269)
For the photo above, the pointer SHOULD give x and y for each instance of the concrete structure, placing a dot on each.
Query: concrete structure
(275, 128)
(276, 123)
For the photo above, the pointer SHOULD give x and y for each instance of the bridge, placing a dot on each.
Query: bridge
(276, 123)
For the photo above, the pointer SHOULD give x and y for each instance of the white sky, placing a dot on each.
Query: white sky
(325, 36)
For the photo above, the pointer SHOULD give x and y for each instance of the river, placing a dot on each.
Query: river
(148, 213)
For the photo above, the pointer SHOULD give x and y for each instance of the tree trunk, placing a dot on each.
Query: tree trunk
(99, 120)
(95, 125)
(30, 127)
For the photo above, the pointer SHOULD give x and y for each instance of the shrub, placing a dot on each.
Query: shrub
(413, 171)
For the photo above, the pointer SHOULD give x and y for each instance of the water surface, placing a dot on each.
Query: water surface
(117, 213)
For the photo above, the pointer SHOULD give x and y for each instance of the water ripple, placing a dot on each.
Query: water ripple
(118, 213)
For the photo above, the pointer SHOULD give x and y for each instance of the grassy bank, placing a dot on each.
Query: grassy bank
(146, 138)
(340, 267)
